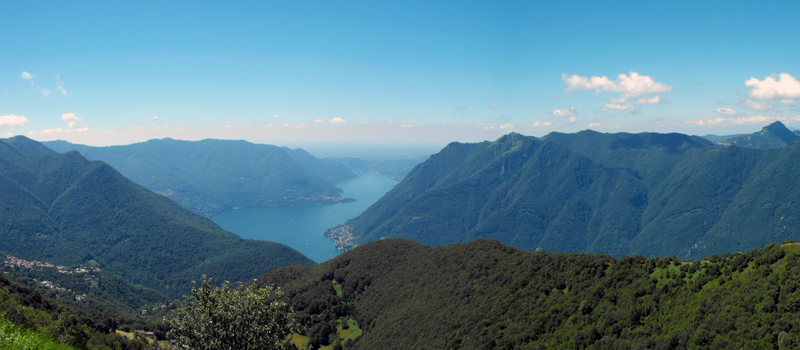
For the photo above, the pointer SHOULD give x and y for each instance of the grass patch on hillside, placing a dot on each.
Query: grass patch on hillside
(352, 332)
(337, 287)
(14, 337)
(300, 340)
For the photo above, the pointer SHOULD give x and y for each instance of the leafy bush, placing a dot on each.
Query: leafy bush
(232, 318)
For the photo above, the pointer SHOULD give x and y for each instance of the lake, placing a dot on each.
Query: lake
(301, 227)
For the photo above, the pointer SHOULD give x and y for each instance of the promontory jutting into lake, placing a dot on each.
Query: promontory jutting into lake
(302, 227)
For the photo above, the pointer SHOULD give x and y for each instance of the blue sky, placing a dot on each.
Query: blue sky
(424, 73)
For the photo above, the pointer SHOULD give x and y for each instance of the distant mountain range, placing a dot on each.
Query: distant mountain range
(213, 176)
(774, 135)
(651, 194)
(64, 209)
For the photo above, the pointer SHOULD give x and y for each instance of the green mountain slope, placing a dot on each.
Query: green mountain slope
(483, 294)
(652, 194)
(65, 209)
(213, 176)
(775, 135)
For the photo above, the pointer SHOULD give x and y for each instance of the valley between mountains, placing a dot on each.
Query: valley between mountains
(586, 240)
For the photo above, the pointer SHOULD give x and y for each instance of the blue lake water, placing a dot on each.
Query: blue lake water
(301, 227)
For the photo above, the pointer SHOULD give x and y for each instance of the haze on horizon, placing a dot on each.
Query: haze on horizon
(417, 73)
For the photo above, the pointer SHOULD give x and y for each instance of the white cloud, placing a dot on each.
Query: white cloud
(71, 119)
(319, 120)
(275, 116)
(60, 85)
(539, 123)
(727, 111)
(27, 76)
(632, 85)
(757, 105)
(227, 126)
(337, 120)
(789, 102)
(490, 127)
(45, 92)
(756, 119)
(407, 126)
(594, 125)
(155, 117)
(564, 112)
(783, 86)
(492, 104)
(572, 119)
(716, 121)
(617, 99)
(12, 121)
(62, 131)
(653, 100)
(507, 126)
(625, 108)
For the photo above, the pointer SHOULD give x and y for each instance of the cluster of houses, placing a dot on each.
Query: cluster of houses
(15, 262)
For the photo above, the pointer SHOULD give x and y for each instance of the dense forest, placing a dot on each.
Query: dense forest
(621, 194)
(486, 295)
(213, 176)
(64, 209)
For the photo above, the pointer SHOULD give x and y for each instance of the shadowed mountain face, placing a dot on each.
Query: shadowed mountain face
(775, 135)
(652, 194)
(65, 209)
(213, 176)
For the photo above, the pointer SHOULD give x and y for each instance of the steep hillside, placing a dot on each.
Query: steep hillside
(652, 194)
(775, 135)
(213, 176)
(66, 210)
(485, 295)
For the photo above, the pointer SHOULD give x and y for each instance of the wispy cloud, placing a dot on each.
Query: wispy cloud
(60, 131)
(625, 108)
(319, 120)
(27, 76)
(12, 121)
(60, 85)
(492, 104)
(757, 105)
(727, 111)
(564, 112)
(653, 100)
(541, 123)
(275, 116)
(337, 120)
(508, 126)
(155, 117)
(756, 119)
(594, 125)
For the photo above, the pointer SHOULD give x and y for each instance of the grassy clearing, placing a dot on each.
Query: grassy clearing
(337, 287)
(300, 340)
(13, 337)
(352, 333)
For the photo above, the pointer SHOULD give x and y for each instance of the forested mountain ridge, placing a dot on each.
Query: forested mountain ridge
(213, 176)
(651, 194)
(775, 135)
(66, 210)
(483, 294)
